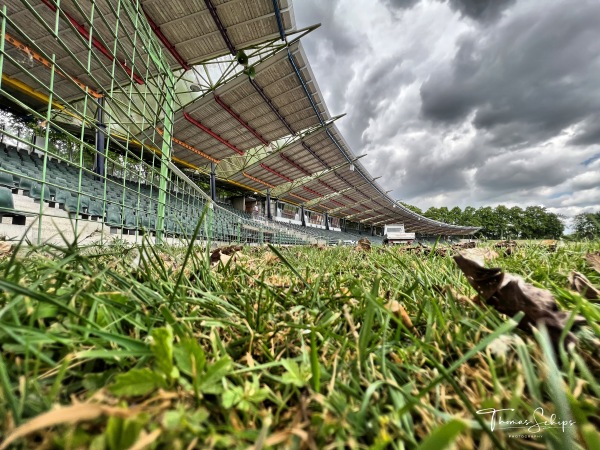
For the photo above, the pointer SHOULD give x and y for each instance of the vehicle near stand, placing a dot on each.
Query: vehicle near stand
(395, 234)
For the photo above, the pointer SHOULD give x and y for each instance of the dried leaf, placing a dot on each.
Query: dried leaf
(510, 294)
(581, 284)
(146, 439)
(480, 254)
(217, 253)
(398, 310)
(506, 244)
(270, 258)
(80, 412)
(363, 245)
(5, 248)
(593, 259)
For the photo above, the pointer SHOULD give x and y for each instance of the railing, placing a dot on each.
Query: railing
(86, 150)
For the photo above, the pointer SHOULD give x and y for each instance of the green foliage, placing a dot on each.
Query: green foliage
(299, 352)
(587, 225)
(533, 222)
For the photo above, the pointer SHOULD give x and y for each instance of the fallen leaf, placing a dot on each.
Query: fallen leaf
(270, 258)
(396, 308)
(363, 245)
(146, 439)
(217, 253)
(5, 248)
(550, 244)
(593, 259)
(506, 244)
(581, 284)
(73, 414)
(481, 255)
(510, 294)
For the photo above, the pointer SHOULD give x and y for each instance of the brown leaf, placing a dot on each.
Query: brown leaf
(581, 284)
(398, 310)
(217, 253)
(146, 439)
(79, 412)
(593, 259)
(550, 244)
(364, 245)
(480, 254)
(270, 258)
(5, 248)
(506, 244)
(510, 294)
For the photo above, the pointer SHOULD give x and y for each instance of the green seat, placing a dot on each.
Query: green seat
(7, 180)
(113, 218)
(61, 197)
(25, 185)
(36, 193)
(7, 207)
(71, 205)
(95, 209)
(130, 221)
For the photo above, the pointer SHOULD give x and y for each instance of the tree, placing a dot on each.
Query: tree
(413, 208)
(587, 225)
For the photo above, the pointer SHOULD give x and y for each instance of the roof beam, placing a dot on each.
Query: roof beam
(226, 107)
(169, 46)
(274, 172)
(208, 131)
(95, 42)
(294, 164)
(220, 26)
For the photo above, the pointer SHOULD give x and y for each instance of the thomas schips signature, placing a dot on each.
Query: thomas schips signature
(532, 424)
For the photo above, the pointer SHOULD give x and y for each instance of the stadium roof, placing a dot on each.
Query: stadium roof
(241, 114)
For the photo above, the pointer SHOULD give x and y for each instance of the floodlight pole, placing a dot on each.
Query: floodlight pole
(100, 133)
(269, 215)
(213, 181)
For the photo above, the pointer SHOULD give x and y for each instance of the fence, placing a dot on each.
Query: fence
(86, 149)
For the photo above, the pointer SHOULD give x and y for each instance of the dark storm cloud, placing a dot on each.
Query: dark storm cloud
(506, 174)
(589, 132)
(332, 42)
(525, 80)
(463, 101)
(385, 79)
(480, 10)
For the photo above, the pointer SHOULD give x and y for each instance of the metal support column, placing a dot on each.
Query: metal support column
(302, 216)
(165, 157)
(269, 215)
(213, 181)
(326, 221)
(372, 230)
(100, 142)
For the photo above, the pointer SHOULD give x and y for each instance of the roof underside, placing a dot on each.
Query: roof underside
(283, 99)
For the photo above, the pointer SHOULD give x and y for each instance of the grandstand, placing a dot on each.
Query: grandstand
(127, 104)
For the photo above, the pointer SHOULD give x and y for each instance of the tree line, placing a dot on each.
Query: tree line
(587, 225)
(501, 222)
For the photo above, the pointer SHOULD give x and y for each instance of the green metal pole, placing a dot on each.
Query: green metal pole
(165, 172)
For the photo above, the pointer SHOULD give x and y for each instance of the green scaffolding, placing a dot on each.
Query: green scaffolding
(87, 125)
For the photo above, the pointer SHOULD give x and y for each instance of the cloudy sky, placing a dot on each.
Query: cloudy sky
(466, 102)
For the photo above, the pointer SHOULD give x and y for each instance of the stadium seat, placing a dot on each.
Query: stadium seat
(95, 209)
(36, 193)
(7, 207)
(7, 180)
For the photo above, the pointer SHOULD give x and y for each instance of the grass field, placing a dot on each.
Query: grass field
(297, 347)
